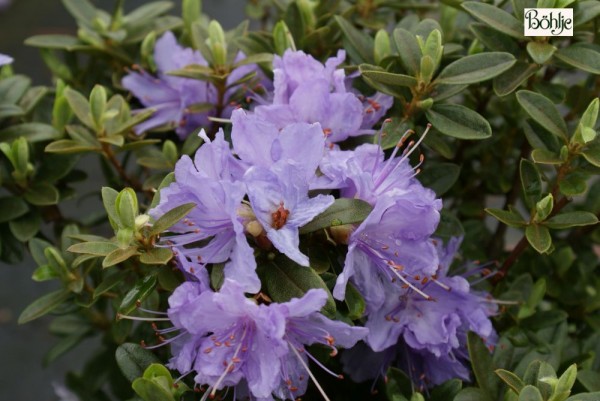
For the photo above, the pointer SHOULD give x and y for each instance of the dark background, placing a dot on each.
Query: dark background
(22, 348)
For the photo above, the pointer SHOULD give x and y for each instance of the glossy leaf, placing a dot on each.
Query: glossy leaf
(476, 68)
(171, 218)
(495, 18)
(343, 211)
(571, 219)
(133, 360)
(543, 111)
(539, 237)
(458, 121)
(43, 305)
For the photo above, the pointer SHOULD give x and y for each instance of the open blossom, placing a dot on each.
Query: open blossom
(5, 60)
(426, 337)
(280, 201)
(392, 246)
(173, 97)
(208, 183)
(229, 340)
(306, 90)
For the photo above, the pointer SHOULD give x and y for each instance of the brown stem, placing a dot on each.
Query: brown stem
(110, 155)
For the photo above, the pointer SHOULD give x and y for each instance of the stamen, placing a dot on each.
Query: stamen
(303, 363)
(393, 268)
(444, 286)
(315, 360)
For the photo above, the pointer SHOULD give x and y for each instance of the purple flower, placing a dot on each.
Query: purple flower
(208, 182)
(427, 337)
(172, 97)
(365, 174)
(392, 245)
(5, 60)
(307, 91)
(260, 143)
(281, 204)
(229, 340)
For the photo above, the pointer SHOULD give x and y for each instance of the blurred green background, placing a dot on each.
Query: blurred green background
(22, 348)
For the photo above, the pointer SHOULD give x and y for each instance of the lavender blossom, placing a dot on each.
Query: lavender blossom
(308, 91)
(229, 340)
(281, 204)
(5, 60)
(392, 246)
(173, 98)
(208, 182)
(426, 336)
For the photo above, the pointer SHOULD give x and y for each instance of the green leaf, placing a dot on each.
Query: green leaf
(147, 12)
(591, 153)
(149, 390)
(540, 52)
(543, 111)
(342, 211)
(571, 219)
(171, 218)
(496, 18)
(471, 394)
(285, 280)
(543, 156)
(374, 73)
(64, 345)
(446, 391)
(25, 227)
(508, 217)
(80, 106)
(458, 121)
(98, 99)
(133, 360)
(43, 305)
(97, 248)
(565, 383)
(493, 39)
(61, 42)
(127, 208)
(111, 280)
(168, 180)
(589, 379)
(585, 397)
(539, 237)
(68, 146)
(544, 207)
(512, 78)
(476, 68)
(530, 393)
(119, 255)
(10, 110)
(44, 273)
(82, 10)
(33, 132)
(440, 176)
(156, 256)
(355, 302)
(531, 182)
(13, 88)
(408, 50)
(358, 44)
(481, 361)
(512, 380)
(258, 58)
(142, 289)
(573, 184)
(12, 207)
(42, 194)
(579, 57)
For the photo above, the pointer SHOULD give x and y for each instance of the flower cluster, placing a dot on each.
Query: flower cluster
(174, 98)
(258, 350)
(426, 339)
(255, 194)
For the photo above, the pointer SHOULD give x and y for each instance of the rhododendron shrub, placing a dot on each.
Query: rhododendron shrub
(348, 200)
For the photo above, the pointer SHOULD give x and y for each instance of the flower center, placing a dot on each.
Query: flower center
(279, 217)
